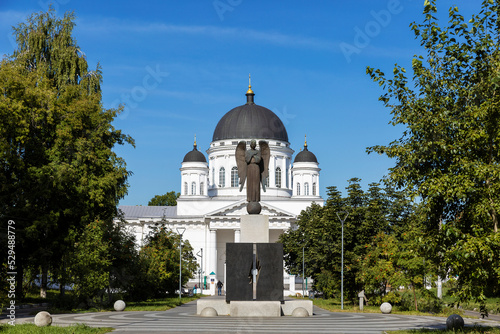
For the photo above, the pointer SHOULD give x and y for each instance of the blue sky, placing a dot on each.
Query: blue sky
(179, 66)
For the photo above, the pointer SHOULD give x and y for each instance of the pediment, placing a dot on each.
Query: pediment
(239, 208)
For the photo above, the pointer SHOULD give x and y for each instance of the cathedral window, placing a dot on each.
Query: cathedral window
(222, 177)
(213, 176)
(193, 188)
(234, 177)
(185, 188)
(306, 189)
(202, 186)
(314, 189)
(277, 177)
(298, 189)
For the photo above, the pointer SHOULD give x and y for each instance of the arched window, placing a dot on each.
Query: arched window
(234, 177)
(193, 188)
(202, 186)
(314, 189)
(222, 177)
(277, 176)
(185, 188)
(306, 189)
(213, 176)
(298, 189)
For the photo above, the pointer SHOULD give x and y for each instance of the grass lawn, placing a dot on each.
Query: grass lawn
(157, 304)
(31, 328)
(162, 304)
(468, 330)
(334, 305)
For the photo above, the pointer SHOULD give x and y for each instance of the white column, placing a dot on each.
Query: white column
(237, 235)
(212, 252)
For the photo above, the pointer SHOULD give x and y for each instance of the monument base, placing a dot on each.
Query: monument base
(262, 309)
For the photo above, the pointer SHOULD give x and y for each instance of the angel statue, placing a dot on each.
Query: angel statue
(253, 166)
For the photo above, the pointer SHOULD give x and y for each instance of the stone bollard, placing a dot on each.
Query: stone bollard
(454, 322)
(119, 305)
(361, 297)
(386, 308)
(43, 319)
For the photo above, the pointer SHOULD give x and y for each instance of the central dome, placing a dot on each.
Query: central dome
(250, 121)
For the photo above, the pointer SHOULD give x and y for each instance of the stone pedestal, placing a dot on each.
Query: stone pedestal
(254, 228)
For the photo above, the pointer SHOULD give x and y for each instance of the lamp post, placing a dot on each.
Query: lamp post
(342, 260)
(180, 230)
(200, 254)
(303, 293)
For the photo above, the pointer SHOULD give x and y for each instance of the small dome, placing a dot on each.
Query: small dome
(194, 155)
(305, 156)
(250, 121)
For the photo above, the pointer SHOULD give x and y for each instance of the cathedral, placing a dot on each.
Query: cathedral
(210, 204)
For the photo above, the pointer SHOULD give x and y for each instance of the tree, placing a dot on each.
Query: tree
(169, 199)
(449, 153)
(90, 263)
(159, 262)
(318, 231)
(58, 171)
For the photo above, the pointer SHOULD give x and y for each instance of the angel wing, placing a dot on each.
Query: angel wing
(241, 163)
(265, 153)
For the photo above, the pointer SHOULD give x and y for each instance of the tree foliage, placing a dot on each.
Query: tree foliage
(168, 199)
(319, 231)
(90, 263)
(449, 153)
(159, 264)
(58, 171)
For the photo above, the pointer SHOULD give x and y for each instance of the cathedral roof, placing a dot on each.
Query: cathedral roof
(194, 155)
(305, 155)
(250, 121)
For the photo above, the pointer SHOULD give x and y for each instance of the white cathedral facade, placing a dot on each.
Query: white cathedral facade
(211, 204)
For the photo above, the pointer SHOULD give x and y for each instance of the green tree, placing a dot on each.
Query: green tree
(58, 171)
(168, 199)
(90, 264)
(449, 153)
(318, 231)
(159, 261)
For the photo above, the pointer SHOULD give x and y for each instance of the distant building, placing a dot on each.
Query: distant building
(210, 204)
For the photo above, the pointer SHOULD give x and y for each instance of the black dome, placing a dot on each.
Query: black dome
(305, 156)
(250, 121)
(194, 156)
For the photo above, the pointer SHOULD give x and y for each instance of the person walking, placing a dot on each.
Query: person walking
(219, 288)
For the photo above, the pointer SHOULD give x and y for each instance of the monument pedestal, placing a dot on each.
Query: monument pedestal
(254, 276)
(254, 229)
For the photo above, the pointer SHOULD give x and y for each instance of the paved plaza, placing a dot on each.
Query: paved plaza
(182, 319)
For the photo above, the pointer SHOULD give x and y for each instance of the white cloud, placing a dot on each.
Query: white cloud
(276, 38)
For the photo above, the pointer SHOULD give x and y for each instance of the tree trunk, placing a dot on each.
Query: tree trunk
(415, 297)
(43, 284)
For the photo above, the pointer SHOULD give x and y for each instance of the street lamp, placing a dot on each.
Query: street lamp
(303, 293)
(180, 230)
(200, 254)
(342, 261)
